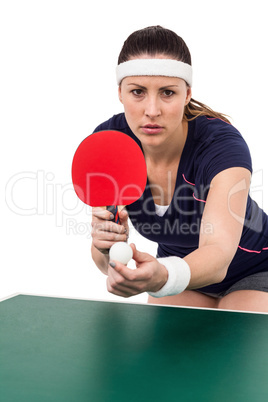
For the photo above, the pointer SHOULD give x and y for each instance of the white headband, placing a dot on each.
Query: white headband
(150, 67)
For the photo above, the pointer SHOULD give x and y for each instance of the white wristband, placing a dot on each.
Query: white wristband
(179, 276)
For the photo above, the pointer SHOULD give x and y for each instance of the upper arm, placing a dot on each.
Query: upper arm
(225, 209)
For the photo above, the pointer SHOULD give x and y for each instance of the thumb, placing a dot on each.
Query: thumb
(123, 213)
(139, 256)
(123, 217)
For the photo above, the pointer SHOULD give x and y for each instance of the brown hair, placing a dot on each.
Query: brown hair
(156, 39)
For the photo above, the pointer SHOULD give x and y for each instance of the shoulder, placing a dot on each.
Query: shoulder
(212, 136)
(117, 122)
(211, 129)
(217, 146)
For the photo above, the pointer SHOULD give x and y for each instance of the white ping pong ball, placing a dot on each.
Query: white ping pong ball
(121, 252)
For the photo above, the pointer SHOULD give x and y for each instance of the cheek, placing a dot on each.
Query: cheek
(131, 114)
(177, 110)
(131, 109)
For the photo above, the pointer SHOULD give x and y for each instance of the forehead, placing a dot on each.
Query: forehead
(153, 81)
(150, 56)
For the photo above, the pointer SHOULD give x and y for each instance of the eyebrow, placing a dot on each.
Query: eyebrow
(142, 87)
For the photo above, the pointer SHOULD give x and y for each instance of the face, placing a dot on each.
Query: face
(154, 107)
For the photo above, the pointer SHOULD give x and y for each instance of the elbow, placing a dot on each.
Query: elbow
(225, 255)
(224, 263)
(220, 275)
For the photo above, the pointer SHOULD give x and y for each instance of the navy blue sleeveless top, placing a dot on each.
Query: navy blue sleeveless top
(212, 146)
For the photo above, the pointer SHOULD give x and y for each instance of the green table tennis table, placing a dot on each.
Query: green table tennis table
(69, 350)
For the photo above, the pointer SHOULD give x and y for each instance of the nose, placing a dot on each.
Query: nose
(152, 107)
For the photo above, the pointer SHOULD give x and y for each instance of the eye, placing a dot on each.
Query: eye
(137, 92)
(168, 93)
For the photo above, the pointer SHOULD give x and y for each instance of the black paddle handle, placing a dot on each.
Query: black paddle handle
(114, 210)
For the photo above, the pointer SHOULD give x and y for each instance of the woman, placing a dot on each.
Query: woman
(212, 238)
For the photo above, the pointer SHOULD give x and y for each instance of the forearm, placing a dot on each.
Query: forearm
(208, 265)
(100, 259)
(224, 212)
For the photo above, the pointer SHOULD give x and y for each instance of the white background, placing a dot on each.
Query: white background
(57, 84)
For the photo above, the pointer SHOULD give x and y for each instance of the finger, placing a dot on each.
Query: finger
(119, 283)
(105, 226)
(139, 256)
(103, 237)
(106, 236)
(103, 245)
(117, 280)
(132, 276)
(118, 292)
(123, 217)
(102, 213)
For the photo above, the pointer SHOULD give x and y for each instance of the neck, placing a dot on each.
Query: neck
(169, 151)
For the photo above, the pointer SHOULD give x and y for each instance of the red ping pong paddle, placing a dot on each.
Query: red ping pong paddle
(109, 169)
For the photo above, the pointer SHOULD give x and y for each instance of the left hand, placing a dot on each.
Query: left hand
(150, 276)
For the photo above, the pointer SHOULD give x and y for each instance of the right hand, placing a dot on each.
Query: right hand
(150, 275)
(105, 232)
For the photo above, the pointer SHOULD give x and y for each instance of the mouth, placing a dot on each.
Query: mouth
(152, 129)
